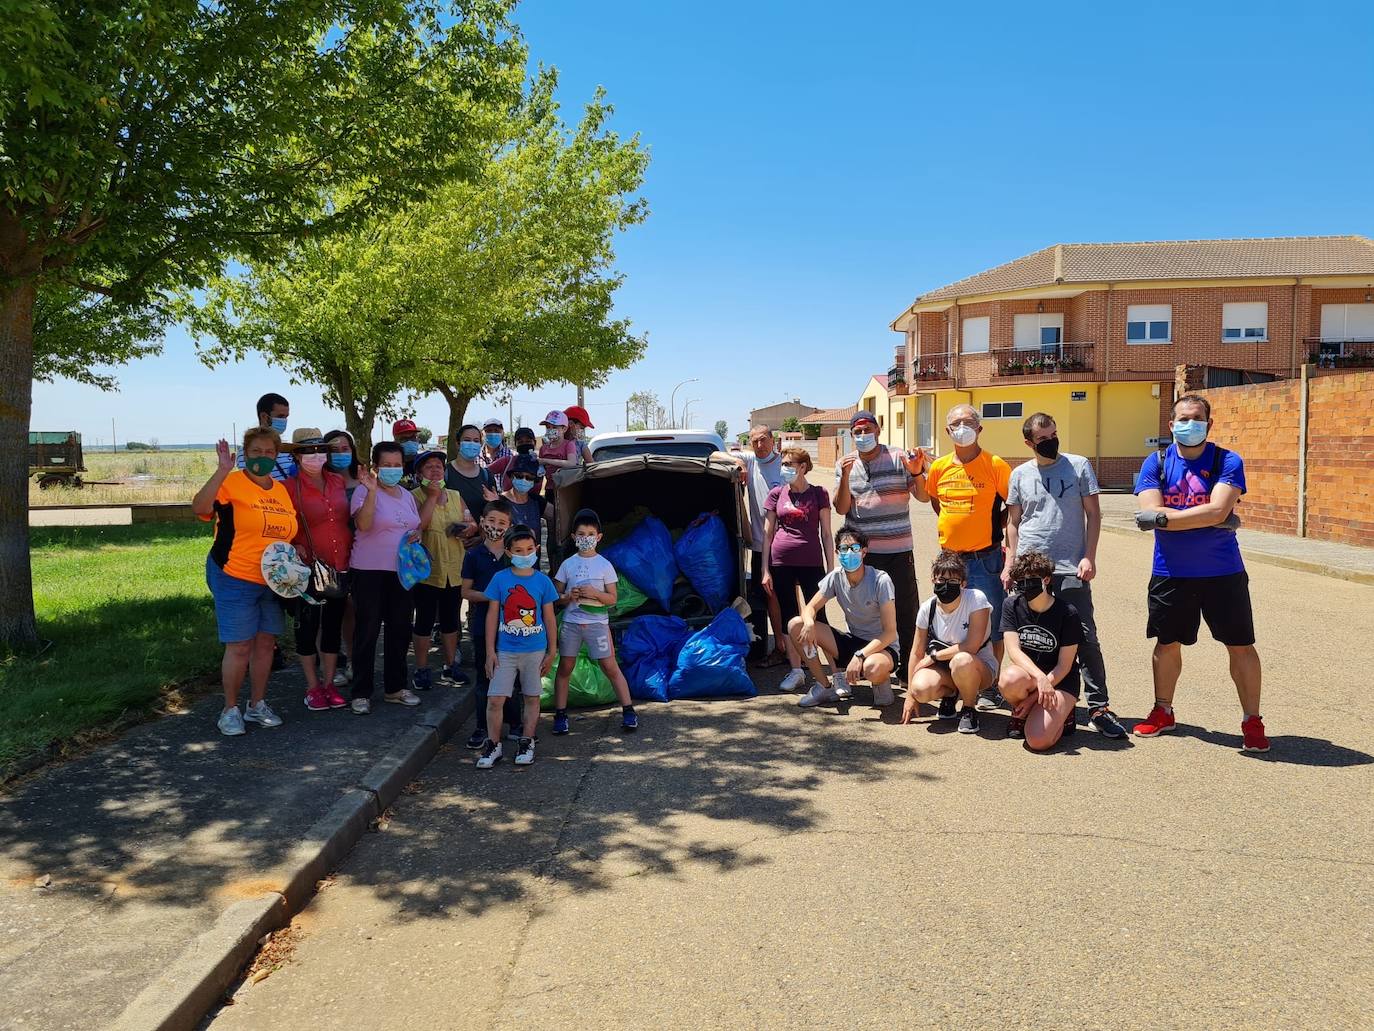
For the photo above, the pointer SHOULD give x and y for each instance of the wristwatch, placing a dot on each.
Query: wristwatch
(1161, 520)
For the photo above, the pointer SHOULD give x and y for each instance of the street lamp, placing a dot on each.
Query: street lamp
(686, 405)
(672, 400)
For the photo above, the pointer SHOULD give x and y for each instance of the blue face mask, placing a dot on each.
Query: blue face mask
(851, 560)
(469, 449)
(390, 476)
(410, 448)
(524, 561)
(864, 441)
(789, 473)
(522, 485)
(279, 425)
(494, 439)
(1189, 432)
(340, 460)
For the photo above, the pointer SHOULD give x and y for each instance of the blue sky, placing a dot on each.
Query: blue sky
(815, 166)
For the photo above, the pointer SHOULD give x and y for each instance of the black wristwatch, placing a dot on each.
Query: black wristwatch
(1161, 520)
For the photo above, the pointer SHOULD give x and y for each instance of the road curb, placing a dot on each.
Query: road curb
(197, 979)
(1265, 558)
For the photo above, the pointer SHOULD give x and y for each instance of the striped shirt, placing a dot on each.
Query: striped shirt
(880, 491)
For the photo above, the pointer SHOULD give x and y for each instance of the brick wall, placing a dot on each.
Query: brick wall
(1111, 472)
(1261, 422)
(827, 451)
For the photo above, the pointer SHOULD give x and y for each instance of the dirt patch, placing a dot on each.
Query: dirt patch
(247, 889)
(276, 951)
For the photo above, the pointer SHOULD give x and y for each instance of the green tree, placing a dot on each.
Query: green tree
(144, 144)
(791, 424)
(424, 434)
(722, 429)
(76, 332)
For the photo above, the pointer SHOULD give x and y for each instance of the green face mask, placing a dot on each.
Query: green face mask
(260, 466)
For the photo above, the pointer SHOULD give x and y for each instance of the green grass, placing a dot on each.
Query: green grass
(132, 477)
(129, 618)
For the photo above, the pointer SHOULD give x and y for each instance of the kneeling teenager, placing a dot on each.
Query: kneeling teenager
(1042, 634)
(952, 660)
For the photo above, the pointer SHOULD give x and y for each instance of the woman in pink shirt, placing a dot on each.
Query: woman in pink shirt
(384, 514)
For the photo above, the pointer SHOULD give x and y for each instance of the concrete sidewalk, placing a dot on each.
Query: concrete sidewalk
(113, 865)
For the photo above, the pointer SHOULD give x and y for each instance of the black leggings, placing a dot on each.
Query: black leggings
(324, 622)
(444, 603)
(785, 580)
(379, 600)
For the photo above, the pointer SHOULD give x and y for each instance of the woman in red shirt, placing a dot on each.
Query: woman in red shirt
(321, 501)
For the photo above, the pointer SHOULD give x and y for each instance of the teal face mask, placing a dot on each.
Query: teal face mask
(260, 466)
(1189, 432)
(390, 476)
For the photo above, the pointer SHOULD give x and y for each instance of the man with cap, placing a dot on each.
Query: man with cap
(407, 434)
(873, 489)
(494, 446)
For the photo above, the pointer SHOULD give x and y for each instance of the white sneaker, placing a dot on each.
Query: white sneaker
(815, 695)
(341, 678)
(230, 722)
(841, 687)
(491, 755)
(792, 681)
(405, 696)
(361, 706)
(882, 695)
(524, 751)
(261, 714)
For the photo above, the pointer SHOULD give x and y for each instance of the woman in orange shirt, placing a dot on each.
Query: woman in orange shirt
(251, 511)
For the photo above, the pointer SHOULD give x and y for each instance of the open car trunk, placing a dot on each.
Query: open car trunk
(674, 488)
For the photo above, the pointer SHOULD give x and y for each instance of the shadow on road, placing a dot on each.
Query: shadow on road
(698, 782)
(1287, 748)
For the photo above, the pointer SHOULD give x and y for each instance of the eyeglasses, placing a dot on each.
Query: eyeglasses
(850, 549)
(943, 583)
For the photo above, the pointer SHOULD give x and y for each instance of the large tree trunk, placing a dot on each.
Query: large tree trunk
(18, 629)
(458, 402)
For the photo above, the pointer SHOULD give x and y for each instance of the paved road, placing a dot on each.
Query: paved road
(748, 864)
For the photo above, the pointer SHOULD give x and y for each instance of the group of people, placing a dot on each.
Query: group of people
(478, 517)
(1010, 623)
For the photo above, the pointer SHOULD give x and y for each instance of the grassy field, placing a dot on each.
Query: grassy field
(143, 477)
(128, 618)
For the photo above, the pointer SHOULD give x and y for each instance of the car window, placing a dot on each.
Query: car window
(689, 449)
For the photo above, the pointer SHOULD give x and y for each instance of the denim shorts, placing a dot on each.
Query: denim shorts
(242, 609)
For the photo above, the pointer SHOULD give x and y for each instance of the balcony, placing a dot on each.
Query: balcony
(932, 370)
(896, 380)
(1340, 352)
(1071, 361)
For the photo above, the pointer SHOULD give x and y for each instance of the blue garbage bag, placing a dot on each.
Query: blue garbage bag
(648, 654)
(711, 663)
(706, 556)
(645, 555)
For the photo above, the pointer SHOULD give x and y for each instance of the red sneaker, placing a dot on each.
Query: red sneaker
(1252, 730)
(336, 700)
(316, 700)
(1158, 722)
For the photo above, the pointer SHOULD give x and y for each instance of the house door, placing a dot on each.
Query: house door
(925, 421)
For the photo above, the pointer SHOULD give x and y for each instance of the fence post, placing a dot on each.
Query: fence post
(1302, 449)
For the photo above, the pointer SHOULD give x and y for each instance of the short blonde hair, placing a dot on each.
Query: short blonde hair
(256, 432)
(798, 454)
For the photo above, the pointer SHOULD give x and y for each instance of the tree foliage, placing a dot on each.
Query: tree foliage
(76, 332)
(722, 429)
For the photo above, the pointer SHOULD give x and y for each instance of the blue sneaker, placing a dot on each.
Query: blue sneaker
(629, 721)
(424, 679)
(476, 738)
(455, 675)
(560, 723)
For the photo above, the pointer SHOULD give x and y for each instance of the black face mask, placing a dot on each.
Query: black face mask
(1048, 448)
(948, 590)
(1030, 588)
(523, 448)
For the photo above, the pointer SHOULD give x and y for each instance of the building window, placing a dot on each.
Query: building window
(1002, 410)
(1347, 322)
(976, 334)
(1038, 331)
(901, 420)
(1244, 320)
(1149, 323)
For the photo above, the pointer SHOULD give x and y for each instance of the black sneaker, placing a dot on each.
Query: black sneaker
(968, 720)
(1016, 728)
(1106, 723)
(990, 699)
(476, 738)
(1071, 723)
(949, 707)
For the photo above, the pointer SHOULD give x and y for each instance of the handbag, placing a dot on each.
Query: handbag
(326, 582)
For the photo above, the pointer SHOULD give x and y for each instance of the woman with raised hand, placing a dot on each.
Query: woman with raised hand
(251, 511)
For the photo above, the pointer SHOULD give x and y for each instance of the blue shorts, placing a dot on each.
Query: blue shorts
(242, 609)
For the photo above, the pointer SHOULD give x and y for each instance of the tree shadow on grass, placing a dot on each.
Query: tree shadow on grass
(85, 538)
(697, 785)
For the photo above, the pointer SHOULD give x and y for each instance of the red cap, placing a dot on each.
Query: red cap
(580, 414)
(403, 426)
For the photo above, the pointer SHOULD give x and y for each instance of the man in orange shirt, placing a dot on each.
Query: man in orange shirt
(968, 490)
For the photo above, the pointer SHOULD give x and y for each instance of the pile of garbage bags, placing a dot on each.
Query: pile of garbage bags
(664, 583)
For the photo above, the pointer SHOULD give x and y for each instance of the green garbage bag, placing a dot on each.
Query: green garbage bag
(628, 597)
(589, 686)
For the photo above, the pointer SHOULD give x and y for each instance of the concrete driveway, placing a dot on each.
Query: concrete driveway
(749, 864)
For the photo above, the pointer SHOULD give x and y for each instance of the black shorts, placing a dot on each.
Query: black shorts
(1177, 605)
(847, 645)
(785, 581)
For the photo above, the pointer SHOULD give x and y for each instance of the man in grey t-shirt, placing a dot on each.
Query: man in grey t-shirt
(762, 472)
(1052, 508)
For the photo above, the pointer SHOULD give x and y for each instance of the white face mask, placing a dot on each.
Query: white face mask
(963, 435)
(313, 463)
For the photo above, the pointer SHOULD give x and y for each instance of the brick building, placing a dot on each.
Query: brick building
(1092, 333)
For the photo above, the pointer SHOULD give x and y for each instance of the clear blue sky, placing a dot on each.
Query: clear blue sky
(815, 166)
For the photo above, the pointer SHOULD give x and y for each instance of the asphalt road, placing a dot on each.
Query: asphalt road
(750, 864)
